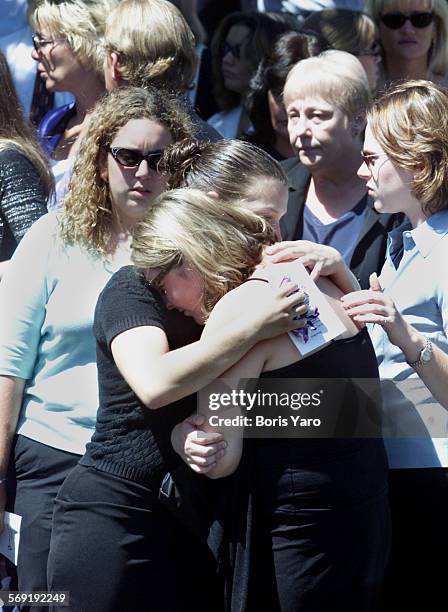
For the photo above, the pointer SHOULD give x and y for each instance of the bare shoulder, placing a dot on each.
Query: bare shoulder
(240, 298)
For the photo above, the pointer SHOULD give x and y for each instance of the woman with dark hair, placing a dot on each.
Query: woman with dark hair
(239, 44)
(25, 179)
(265, 98)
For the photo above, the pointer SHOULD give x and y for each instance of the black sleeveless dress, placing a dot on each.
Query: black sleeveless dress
(313, 531)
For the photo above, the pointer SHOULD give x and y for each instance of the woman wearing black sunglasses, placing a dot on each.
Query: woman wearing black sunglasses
(414, 36)
(242, 40)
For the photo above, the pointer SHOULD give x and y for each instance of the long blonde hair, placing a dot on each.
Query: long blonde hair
(15, 132)
(222, 242)
(87, 209)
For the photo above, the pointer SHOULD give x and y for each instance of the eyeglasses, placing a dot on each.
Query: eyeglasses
(375, 51)
(370, 158)
(395, 21)
(234, 50)
(132, 159)
(39, 42)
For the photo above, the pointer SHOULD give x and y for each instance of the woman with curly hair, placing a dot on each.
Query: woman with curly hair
(47, 351)
(25, 179)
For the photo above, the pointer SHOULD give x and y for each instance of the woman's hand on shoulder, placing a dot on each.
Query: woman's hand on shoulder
(320, 259)
(265, 310)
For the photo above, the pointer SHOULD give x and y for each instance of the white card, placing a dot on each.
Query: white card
(9, 538)
(323, 324)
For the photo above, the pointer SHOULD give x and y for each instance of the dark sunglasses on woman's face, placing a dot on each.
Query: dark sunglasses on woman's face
(395, 21)
(234, 50)
(132, 159)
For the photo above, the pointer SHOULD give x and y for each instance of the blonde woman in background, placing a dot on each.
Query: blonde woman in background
(70, 58)
(25, 178)
(150, 43)
(414, 38)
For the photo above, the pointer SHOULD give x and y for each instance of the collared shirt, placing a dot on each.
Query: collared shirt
(418, 285)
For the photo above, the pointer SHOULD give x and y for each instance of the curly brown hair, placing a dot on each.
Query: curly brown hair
(87, 212)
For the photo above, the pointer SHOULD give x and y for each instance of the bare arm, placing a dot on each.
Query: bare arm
(11, 394)
(227, 457)
(159, 376)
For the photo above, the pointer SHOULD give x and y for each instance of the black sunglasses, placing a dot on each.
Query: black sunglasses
(234, 50)
(132, 159)
(395, 21)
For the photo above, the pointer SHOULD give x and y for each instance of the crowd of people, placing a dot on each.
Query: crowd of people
(158, 167)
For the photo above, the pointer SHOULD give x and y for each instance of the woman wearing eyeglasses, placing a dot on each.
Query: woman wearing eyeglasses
(405, 167)
(48, 387)
(414, 37)
(69, 56)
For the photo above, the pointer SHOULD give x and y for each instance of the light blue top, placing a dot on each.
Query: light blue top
(47, 303)
(417, 424)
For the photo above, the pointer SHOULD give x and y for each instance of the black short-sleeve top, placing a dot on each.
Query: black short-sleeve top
(130, 440)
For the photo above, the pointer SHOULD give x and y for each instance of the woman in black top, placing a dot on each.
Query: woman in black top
(312, 530)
